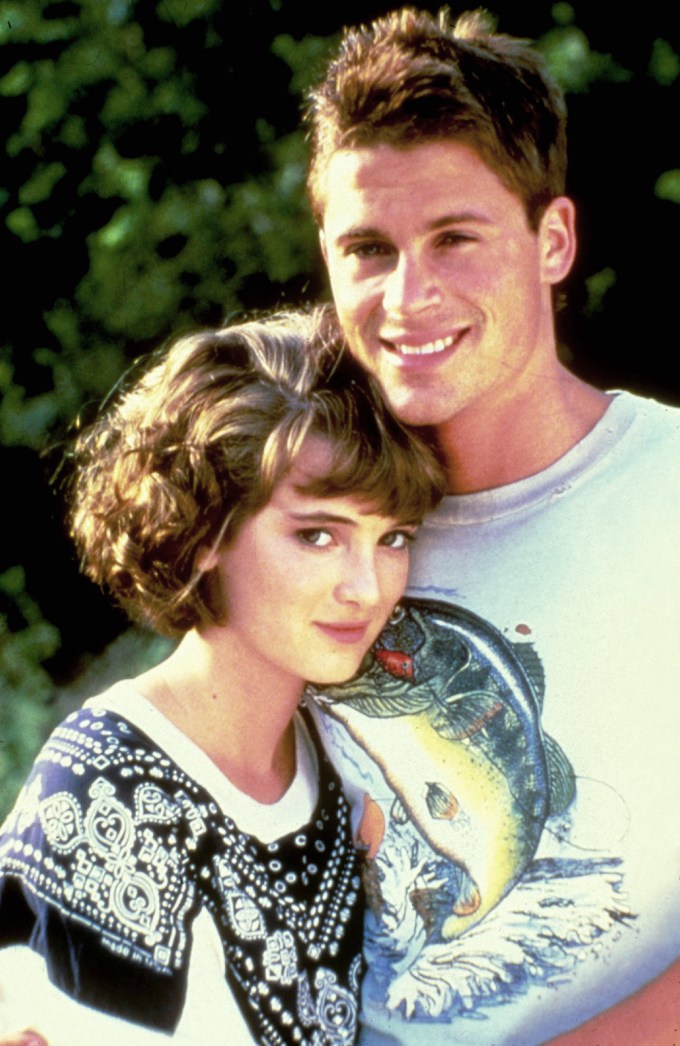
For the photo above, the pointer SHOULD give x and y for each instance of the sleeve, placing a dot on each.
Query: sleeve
(29, 999)
(94, 881)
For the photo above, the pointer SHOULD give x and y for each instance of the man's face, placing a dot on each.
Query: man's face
(441, 287)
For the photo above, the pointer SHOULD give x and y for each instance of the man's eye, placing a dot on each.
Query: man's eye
(367, 250)
(317, 538)
(454, 239)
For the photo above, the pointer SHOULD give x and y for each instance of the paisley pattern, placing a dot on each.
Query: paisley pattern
(112, 850)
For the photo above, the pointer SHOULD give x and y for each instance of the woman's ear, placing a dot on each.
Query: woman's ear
(214, 594)
(206, 559)
(557, 235)
(212, 581)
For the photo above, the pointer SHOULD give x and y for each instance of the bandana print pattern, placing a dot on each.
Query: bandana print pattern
(124, 848)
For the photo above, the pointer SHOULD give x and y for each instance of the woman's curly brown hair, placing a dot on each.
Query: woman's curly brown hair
(197, 445)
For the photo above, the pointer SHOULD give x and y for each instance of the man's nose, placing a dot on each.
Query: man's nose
(411, 286)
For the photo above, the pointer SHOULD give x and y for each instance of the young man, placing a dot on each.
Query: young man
(519, 804)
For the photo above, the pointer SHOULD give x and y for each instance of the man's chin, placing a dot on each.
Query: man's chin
(418, 411)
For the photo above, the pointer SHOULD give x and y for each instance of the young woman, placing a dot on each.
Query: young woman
(180, 859)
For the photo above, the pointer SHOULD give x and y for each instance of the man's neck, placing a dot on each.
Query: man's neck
(521, 437)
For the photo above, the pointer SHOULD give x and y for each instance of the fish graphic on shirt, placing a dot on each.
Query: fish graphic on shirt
(450, 712)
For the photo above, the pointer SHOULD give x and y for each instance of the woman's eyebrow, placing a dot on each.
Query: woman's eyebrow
(321, 517)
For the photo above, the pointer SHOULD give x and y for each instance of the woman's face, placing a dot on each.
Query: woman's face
(310, 581)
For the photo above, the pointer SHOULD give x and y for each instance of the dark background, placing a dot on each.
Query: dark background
(153, 182)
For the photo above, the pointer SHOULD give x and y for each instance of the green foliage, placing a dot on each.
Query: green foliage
(25, 686)
(304, 58)
(181, 13)
(668, 186)
(30, 704)
(111, 118)
(574, 64)
(597, 286)
(664, 64)
(134, 649)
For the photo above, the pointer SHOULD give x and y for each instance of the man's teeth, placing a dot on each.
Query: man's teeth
(425, 350)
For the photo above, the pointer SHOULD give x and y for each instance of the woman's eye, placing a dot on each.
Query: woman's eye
(317, 538)
(398, 539)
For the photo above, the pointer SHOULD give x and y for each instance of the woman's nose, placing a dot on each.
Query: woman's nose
(359, 583)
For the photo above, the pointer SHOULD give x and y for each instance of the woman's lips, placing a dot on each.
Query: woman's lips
(341, 633)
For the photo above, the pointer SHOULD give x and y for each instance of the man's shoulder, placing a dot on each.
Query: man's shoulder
(659, 420)
(647, 448)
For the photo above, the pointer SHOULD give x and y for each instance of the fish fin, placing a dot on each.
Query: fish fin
(409, 701)
(391, 698)
(469, 900)
(462, 716)
(533, 668)
(441, 802)
(561, 777)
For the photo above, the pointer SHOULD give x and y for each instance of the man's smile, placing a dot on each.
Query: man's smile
(409, 346)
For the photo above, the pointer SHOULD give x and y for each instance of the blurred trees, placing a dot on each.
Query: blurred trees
(153, 181)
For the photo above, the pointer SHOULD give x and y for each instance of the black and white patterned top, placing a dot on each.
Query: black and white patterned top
(111, 852)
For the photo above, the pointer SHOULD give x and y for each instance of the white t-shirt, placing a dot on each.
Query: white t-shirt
(578, 570)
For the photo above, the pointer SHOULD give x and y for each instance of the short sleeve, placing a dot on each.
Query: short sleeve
(94, 873)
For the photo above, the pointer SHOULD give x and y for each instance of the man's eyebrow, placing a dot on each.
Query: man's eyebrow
(371, 232)
(459, 218)
(361, 232)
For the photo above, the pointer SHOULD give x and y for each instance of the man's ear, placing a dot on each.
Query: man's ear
(557, 234)
(322, 244)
